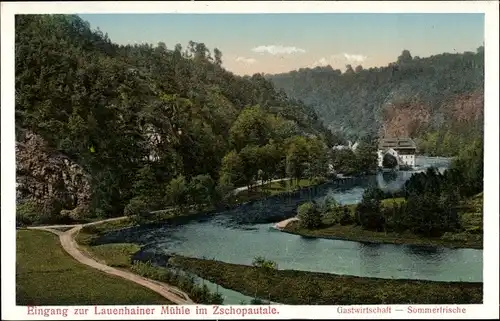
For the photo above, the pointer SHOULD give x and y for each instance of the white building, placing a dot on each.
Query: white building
(403, 149)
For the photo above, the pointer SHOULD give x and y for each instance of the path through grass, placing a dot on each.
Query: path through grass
(47, 275)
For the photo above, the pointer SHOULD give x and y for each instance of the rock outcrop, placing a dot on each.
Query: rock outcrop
(406, 119)
(50, 178)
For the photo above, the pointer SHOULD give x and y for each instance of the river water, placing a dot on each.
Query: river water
(239, 235)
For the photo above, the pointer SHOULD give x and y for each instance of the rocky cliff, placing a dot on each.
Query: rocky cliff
(408, 119)
(50, 179)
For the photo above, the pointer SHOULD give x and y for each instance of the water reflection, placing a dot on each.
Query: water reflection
(422, 250)
(428, 253)
(370, 257)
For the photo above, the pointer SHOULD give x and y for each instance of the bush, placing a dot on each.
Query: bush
(389, 161)
(28, 212)
(136, 206)
(456, 237)
(309, 215)
(31, 212)
(346, 218)
(202, 190)
(177, 192)
(256, 301)
(330, 203)
(137, 209)
(369, 215)
(223, 192)
(261, 262)
(425, 215)
(199, 294)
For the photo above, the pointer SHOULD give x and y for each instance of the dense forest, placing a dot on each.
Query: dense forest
(141, 120)
(438, 100)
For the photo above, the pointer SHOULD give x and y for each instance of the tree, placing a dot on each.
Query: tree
(405, 57)
(309, 215)
(344, 161)
(368, 211)
(218, 56)
(232, 169)
(424, 215)
(389, 161)
(147, 187)
(367, 158)
(348, 69)
(250, 128)
(269, 159)
(297, 157)
(329, 204)
(317, 158)
(251, 163)
(177, 192)
(202, 190)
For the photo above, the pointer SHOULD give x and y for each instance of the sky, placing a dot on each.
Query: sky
(276, 43)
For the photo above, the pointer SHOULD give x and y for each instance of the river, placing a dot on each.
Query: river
(238, 235)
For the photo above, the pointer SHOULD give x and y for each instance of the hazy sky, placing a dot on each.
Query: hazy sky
(273, 43)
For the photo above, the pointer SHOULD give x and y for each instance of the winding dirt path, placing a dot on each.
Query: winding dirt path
(67, 239)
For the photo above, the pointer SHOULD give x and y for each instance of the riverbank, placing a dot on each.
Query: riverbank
(310, 288)
(46, 275)
(471, 236)
(358, 234)
(120, 256)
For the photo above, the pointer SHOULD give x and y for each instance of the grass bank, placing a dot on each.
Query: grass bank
(471, 218)
(119, 255)
(47, 275)
(299, 287)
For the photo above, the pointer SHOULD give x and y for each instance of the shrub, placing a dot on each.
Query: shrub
(177, 192)
(31, 212)
(368, 212)
(309, 215)
(456, 237)
(346, 218)
(256, 301)
(202, 190)
(369, 215)
(330, 203)
(28, 212)
(199, 294)
(261, 262)
(137, 209)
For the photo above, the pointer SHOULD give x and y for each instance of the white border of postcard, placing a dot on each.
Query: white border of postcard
(489, 309)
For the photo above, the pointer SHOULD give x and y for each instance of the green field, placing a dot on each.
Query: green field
(47, 275)
(300, 287)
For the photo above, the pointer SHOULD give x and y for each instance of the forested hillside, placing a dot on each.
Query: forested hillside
(134, 119)
(438, 99)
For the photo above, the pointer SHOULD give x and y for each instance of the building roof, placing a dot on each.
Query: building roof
(397, 143)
